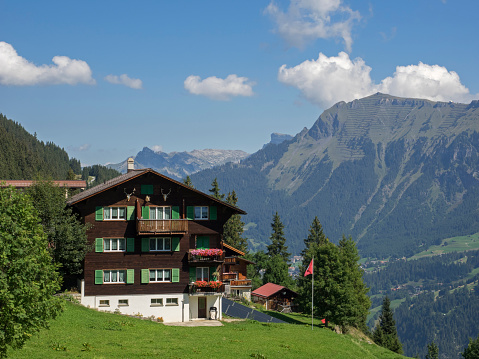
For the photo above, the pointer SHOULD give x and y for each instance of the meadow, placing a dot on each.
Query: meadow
(81, 332)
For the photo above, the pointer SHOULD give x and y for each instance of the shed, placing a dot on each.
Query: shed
(274, 297)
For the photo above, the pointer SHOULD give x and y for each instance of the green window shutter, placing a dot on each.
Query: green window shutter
(98, 277)
(145, 276)
(190, 213)
(98, 244)
(130, 244)
(99, 214)
(212, 270)
(146, 189)
(192, 274)
(213, 213)
(130, 213)
(130, 276)
(203, 242)
(145, 212)
(175, 275)
(175, 212)
(145, 244)
(175, 244)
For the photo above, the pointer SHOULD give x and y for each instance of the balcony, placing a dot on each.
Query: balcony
(203, 288)
(205, 256)
(161, 226)
(241, 283)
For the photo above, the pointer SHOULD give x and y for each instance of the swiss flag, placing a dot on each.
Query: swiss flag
(310, 269)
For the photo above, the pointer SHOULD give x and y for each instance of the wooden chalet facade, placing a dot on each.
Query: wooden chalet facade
(234, 273)
(157, 247)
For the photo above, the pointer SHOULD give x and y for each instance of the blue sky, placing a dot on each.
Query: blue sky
(103, 79)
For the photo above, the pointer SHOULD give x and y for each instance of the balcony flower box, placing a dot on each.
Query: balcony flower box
(206, 254)
(207, 286)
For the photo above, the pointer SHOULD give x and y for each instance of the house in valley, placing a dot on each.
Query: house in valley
(157, 247)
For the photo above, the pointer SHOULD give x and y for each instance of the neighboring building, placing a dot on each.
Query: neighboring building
(234, 273)
(157, 247)
(274, 297)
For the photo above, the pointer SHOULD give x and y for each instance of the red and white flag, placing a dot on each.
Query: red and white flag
(310, 269)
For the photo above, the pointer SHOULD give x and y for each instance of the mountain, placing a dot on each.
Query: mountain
(277, 138)
(395, 173)
(23, 156)
(178, 165)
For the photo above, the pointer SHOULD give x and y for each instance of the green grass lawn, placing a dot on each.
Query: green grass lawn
(454, 244)
(84, 333)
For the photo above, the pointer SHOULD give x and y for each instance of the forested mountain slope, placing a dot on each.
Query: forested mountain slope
(23, 156)
(394, 173)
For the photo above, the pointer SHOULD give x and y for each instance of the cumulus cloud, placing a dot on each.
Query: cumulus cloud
(328, 80)
(136, 84)
(308, 20)
(17, 71)
(157, 148)
(219, 89)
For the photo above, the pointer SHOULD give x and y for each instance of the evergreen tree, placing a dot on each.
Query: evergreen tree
(66, 235)
(254, 270)
(432, 351)
(233, 228)
(276, 271)
(28, 280)
(187, 181)
(215, 190)
(359, 303)
(472, 350)
(278, 240)
(315, 235)
(385, 333)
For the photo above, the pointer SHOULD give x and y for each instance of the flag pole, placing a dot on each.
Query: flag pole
(312, 294)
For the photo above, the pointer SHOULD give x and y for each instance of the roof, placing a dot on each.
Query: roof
(29, 183)
(134, 174)
(233, 249)
(269, 289)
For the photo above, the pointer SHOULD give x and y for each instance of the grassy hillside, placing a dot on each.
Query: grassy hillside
(84, 333)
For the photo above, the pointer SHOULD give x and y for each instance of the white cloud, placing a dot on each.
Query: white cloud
(136, 84)
(308, 20)
(219, 89)
(17, 71)
(328, 80)
(157, 148)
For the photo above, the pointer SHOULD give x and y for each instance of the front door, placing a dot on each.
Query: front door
(201, 307)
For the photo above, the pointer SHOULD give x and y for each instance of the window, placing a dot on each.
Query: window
(201, 212)
(160, 244)
(114, 244)
(156, 302)
(122, 302)
(202, 273)
(160, 212)
(171, 301)
(160, 275)
(104, 303)
(114, 213)
(114, 276)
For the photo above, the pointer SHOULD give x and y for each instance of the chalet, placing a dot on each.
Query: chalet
(234, 273)
(157, 247)
(274, 297)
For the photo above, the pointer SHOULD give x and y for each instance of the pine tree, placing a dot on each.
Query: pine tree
(276, 271)
(315, 235)
(215, 190)
(278, 240)
(432, 351)
(385, 333)
(187, 181)
(472, 350)
(233, 228)
(357, 308)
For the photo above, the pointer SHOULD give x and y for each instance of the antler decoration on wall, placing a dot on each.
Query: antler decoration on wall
(165, 195)
(128, 195)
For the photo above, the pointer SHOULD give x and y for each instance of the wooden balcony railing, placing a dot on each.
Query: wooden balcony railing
(228, 276)
(194, 290)
(241, 283)
(161, 226)
(196, 259)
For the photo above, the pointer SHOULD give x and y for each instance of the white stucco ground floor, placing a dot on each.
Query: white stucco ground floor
(172, 307)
